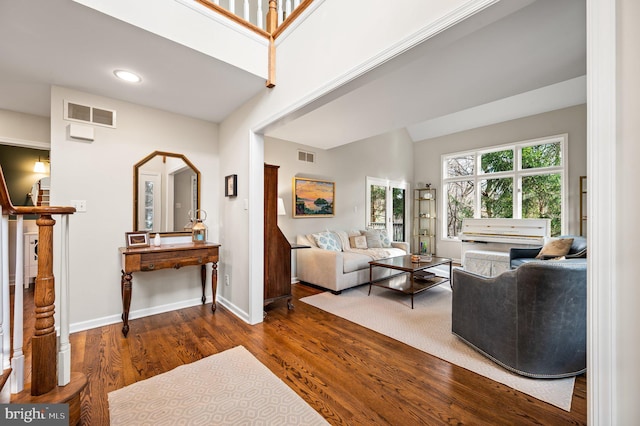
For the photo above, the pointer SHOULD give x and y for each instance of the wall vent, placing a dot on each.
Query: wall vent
(306, 156)
(88, 114)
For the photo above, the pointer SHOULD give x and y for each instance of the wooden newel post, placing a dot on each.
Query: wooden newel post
(43, 362)
(272, 17)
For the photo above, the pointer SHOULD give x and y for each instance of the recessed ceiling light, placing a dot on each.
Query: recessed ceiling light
(127, 76)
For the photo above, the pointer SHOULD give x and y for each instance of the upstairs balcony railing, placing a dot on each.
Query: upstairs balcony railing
(268, 18)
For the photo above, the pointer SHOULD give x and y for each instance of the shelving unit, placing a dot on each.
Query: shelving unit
(583, 206)
(424, 221)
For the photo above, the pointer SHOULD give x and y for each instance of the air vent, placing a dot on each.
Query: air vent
(306, 156)
(89, 114)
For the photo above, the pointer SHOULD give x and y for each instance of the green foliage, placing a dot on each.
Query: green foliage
(545, 155)
(497, 198)
(498, 161)
(541, 194)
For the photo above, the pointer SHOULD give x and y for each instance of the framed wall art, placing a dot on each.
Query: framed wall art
(313, 198)
(137, 239)
(231, 186)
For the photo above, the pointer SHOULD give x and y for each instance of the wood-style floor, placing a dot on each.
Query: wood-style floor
(349, 374)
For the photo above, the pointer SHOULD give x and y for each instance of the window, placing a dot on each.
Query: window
(520, 180)
(386, 207)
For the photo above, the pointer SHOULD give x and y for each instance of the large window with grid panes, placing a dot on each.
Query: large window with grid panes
(520, 180)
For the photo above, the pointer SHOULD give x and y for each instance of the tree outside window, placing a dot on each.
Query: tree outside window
(522, 180)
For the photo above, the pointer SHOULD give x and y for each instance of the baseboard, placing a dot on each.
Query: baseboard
(140, 313)
(244, 316)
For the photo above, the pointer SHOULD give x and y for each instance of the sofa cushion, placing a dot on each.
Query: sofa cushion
(555, 247)
(359, 242)
(354, 261)
(327, 241)
(357, 260)
(373, 238)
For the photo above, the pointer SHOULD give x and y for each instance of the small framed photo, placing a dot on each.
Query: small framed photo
(231, 186)
(137, 239)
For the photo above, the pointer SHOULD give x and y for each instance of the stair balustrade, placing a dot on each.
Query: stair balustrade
(253, 11)
(51, 377)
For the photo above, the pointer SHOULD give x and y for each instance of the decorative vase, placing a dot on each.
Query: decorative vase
(157, 241)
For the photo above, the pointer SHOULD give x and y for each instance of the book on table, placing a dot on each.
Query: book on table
(423, 275)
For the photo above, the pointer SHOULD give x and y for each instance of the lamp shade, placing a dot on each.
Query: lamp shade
(281, 210)
(39, 167)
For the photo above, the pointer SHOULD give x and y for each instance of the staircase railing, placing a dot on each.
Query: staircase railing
(254, 11)
(51, 377)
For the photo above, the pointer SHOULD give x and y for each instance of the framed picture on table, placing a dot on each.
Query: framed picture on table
(137, 239)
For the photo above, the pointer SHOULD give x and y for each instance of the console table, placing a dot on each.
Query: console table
(164, 257)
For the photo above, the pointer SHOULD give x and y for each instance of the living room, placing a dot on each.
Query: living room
(113, 171)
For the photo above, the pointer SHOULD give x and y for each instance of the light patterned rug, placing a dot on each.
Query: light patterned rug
(229, 388)
(428, 328)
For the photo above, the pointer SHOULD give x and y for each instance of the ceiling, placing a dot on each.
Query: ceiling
(500, 64)
(80, 48)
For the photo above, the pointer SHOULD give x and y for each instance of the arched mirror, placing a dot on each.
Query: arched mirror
(166, 187)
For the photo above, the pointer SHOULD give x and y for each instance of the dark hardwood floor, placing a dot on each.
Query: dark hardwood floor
(349, 374)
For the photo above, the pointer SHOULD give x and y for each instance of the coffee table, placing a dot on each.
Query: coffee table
(407, 282)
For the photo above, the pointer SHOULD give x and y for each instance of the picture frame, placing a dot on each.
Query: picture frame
(231, 186)
(137, 239)
(313, 198)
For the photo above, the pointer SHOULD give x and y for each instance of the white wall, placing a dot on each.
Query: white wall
(627, 291)
(19, 127)
(388, 156)
(571, 120)
(101, 172)
(228, 42)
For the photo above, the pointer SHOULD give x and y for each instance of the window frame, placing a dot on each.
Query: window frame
(516, 174)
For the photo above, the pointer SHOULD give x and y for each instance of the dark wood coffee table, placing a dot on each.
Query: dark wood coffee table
(408, 283)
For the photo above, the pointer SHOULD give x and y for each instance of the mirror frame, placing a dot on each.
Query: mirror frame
(135, 186)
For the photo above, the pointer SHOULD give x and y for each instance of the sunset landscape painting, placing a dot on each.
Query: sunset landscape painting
(313, 198)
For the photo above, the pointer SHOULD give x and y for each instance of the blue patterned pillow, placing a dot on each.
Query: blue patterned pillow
(327, 241)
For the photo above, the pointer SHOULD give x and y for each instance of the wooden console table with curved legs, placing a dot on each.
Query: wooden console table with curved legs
(166, 256)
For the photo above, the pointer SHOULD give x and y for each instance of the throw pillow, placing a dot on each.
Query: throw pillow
(327, 241)
(343, 238)
(359, 242)
(384, 239)
(373, 238)
(555, 247)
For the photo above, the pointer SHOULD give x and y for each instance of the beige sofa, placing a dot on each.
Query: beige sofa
(337, 270)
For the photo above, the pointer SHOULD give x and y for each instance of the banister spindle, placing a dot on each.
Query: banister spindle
(259, 19)
(245, 11)
(64, 350)
(288, 8)
(5, 321)
(232, 6)
(17, 360)
(280, 13)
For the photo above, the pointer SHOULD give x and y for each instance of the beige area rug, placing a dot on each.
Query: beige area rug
(229, 388)
(428, 328)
